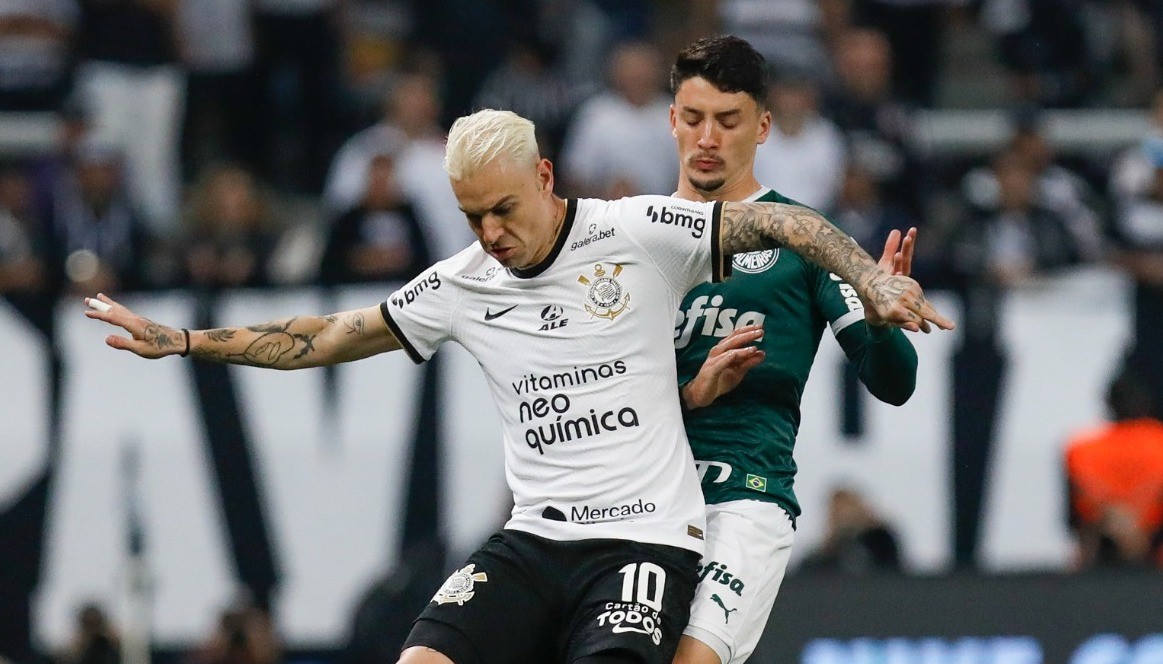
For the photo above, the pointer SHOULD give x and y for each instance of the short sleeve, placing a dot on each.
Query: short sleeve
(420, 313)
(682, 237)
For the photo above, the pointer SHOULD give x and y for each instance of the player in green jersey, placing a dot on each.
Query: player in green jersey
(757, 333)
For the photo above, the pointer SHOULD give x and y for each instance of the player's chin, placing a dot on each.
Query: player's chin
(706, 183)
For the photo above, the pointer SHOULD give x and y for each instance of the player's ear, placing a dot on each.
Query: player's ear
(673, 122)
(545, 174)
(764, 127)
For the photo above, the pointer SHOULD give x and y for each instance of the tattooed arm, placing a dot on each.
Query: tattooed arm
(896, 299)
(292, 343)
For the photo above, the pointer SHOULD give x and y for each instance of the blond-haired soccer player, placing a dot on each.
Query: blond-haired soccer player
(568, 306)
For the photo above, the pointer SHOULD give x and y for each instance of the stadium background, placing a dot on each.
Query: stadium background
(325, 491)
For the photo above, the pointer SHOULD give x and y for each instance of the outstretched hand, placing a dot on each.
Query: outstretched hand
(726, 365)
(148, 339)
(899, 300)
(897, 257)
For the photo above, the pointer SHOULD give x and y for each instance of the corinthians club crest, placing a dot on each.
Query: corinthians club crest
(606, 297)
(458, 587)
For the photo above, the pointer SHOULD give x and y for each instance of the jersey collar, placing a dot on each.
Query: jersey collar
(763, 191)
(562, 235)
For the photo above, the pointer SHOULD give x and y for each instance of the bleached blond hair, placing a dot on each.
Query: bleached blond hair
(476, 140)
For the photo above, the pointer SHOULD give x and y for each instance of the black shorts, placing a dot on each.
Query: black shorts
(523, 599)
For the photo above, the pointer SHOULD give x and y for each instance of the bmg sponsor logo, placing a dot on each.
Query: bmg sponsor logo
(410, 293)
(688, 219)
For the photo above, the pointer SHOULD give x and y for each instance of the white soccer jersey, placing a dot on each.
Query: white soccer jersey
(578, 352)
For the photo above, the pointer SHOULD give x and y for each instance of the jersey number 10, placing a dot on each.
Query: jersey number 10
(643, 583)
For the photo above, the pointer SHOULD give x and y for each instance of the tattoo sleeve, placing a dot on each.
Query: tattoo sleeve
(293, 343)
(758, 226)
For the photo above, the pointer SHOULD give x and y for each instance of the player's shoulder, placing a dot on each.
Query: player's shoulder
(648, 210)
(592, 209)
(471, 265)
(773, 196)
(639, 202)
(441, 279)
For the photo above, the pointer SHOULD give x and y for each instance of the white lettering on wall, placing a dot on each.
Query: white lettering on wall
(333, 483)
(902, 463)
(112, 400)
(478, 501)
(1064, 339)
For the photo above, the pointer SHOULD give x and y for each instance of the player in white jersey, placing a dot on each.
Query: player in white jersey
(568, 306)
(581, 404)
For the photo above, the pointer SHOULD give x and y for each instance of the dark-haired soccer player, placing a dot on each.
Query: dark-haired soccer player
(758, 330)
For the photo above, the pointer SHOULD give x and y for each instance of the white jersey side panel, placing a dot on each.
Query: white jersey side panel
(578, 354)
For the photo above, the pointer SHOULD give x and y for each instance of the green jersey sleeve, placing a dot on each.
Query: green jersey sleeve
(886, 359)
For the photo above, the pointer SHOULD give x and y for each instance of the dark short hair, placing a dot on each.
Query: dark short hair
(727, 62)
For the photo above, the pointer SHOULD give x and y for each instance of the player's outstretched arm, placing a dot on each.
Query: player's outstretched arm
(292, 343)
(898, 300)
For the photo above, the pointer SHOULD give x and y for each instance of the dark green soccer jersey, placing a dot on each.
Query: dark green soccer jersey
(744, 440)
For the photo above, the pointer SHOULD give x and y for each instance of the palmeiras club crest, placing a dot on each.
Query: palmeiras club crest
(458, 587)
(754, 262)
(605, 298)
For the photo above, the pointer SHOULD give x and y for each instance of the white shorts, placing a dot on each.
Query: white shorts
(748, 546)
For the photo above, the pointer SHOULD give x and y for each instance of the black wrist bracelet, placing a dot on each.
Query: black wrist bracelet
(185, 333)
(682, 399)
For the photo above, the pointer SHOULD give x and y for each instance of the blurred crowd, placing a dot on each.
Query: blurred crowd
(216, 144)
(241, 143)
(242, 633)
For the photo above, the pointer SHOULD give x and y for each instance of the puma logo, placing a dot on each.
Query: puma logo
(726, 612)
